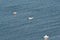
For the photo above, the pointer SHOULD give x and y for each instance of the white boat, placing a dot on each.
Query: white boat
(14, 13)
(30, 18)
(46, 37)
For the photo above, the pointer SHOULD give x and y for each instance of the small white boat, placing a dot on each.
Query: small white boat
(46, 37)
(14, 13)
(30, 18)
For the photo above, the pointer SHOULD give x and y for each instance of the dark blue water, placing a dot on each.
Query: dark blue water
(46, 20)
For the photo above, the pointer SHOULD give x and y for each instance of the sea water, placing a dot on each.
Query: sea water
(46, 20)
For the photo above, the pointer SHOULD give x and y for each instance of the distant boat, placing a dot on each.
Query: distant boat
(46, 37)
(30, 18)
(14, 13)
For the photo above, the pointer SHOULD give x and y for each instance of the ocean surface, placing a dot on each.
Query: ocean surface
(46, 19)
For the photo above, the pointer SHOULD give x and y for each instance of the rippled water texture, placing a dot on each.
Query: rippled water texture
(46, 20)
